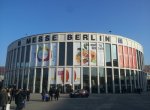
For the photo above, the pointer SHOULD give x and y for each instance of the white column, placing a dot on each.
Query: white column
(119, 81)
(106, 90)
(113, 80)
(28, 71)
(34, 78)
(90, 86)
(98, 79)
(41, 80)
(48, 82)
(125, 79)
(138, 79)
(130, 80)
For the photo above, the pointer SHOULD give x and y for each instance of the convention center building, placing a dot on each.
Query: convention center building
(99, 63)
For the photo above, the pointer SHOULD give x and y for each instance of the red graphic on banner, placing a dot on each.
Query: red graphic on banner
(120, 51)
(134, 59)
(126, 57)
(130, 58)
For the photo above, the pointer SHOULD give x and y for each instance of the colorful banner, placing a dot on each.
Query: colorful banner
(134, 59)
(120, 52)
(46, 54)
(33, 55)
(53, 59)
(68, 76)
(85, 53)
(52, 75)
(126, 57)
(60, 76)
(39, 55)
(93, 54)
(76, 75)
(100, 54)
(130, 58)
(77, 54)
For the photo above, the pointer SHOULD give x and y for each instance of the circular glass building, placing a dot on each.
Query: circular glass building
(100, 63)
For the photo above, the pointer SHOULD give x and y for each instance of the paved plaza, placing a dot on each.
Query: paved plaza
(94, 102)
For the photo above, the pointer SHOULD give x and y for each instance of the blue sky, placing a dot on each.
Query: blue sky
(129, 18)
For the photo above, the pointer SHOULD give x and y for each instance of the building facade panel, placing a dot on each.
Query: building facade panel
(100, 63)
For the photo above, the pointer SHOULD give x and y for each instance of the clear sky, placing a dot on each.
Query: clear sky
(129, 18)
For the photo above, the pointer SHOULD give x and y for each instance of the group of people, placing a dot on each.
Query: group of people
(49, 95)
(18, 95)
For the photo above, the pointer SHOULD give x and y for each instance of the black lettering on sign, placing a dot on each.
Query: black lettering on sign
(34, 40)
(69, 37)
(107, 38)
(92, 38)
(54, 37)
(47, 38)
(77, 37)
(40, 39)
(85, 37)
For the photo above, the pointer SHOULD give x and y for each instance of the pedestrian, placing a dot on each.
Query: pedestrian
(28, 95)
(47, 97)
(9, 95)
(19, 100)
(51, 92)
(3, 98)
(56, 94)
(12, 94)
(43, 95)
(24, 94)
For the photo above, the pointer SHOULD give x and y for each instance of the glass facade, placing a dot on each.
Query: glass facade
(108, 54)
(94, 81)
(96, 62)
(102, 80)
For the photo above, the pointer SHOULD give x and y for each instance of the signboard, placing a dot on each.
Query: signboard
(77, 75)
(93, 54)
(100, 54)
(77, 54)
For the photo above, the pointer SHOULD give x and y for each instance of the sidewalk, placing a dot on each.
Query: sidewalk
(119, 100)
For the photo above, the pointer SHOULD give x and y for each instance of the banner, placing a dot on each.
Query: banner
(130, 58)
(68, 76)
(120, 52)
(53, 59)
(60, 76)
(46, 54)
(77, 54)
(85, 53)
(100, 54)
(126, 57)
(134, 59)
(39, 55)
(76, 75)
(52, 75)
(33, 55)
(93, 54)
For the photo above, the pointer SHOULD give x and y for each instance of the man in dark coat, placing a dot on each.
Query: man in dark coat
(56, 94)
(3, 98)
(19, 100)
(51, 92)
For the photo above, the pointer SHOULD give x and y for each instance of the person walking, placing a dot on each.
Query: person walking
(56, 94)
(51, 92)
(3, 98)
(12, 94)
(19, 100)
(43, 95)
(28, 95)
